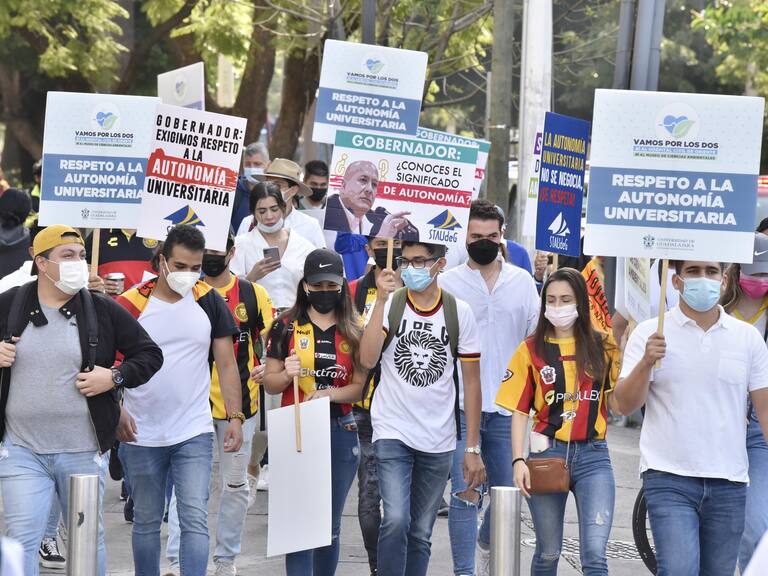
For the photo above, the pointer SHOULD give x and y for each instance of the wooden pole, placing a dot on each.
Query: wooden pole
(95, 245)
(662, 301)
(390, 252)
(297, 412)
(555, 258)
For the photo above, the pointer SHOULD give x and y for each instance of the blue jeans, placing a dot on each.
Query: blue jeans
(345, 453)
(697, 523)
(148, 467)
(52, 525)
(30, 481)
(411, 484)
(594, 488)
(368, 499)
(496, 442)
(756, 519)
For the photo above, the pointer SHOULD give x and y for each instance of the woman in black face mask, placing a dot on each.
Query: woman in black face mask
(317, 341)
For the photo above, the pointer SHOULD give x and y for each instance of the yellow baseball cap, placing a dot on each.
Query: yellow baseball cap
(56, 235)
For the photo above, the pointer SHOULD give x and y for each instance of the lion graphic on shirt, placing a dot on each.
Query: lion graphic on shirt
(420, 358)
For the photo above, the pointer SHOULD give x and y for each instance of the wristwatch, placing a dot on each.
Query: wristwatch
(237, 416)
(472, 450)
(117, 378)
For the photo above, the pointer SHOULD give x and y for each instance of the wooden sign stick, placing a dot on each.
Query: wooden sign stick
(297, 412)
(95, 245)
(662, 301)
(390, 252)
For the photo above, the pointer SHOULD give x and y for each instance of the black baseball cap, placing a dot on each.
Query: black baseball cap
(323, 265)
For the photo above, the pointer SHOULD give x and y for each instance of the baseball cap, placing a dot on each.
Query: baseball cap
(56, 235)
(288, 170)
(760, 255)
(15, 203)
(323, 265)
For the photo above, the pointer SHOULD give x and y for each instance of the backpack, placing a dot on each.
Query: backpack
(255, 324)
(395, 316)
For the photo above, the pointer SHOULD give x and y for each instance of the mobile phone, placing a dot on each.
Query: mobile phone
(272, 253)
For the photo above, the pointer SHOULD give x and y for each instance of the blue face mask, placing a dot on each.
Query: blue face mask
(701, 294)
(416, 279)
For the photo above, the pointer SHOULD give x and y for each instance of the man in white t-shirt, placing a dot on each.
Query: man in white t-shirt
(693, 456)
(166, 425)
(287, 175)
(414, 410)
(506, 305)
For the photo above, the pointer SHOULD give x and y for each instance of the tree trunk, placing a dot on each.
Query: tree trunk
(300, 81)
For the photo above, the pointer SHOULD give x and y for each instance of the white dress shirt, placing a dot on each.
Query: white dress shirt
(505, 317)
(696, 412)
(307, 226)
(283, 282)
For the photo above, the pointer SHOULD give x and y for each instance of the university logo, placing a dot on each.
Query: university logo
(445, 221)
(548, 375)
(648, 241)
(184, 216)
(559, 226)
(85, 213)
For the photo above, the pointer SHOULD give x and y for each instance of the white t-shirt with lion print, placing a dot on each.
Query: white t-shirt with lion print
(415, 399)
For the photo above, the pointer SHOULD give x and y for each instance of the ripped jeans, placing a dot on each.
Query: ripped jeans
(345, 454)
(594, 488)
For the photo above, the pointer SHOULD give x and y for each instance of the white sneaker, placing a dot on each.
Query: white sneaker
(225, 569)
(263, 483)
(483, 564)
(252, 487)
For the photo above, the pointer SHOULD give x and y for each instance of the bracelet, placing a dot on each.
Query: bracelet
(516, 460)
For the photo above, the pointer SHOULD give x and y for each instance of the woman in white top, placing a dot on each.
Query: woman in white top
(279, 277)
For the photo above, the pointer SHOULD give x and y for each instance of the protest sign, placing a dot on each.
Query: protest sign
(674, 176)
(368, 87)
(598, 303)
(405, 188)
(290, 496)
(95, 152)
(637, 287)
(183, 86)
(483, 148)
(191, 173)
(561, 184)
(532, 200)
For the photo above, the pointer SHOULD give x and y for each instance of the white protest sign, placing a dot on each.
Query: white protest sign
(405, 188)
(637, 287)
(183, 86)
(483, 148)
(299, 515)
(191, 173)
(365, 87)
(673, 175)
(532, 197)
(95, 152)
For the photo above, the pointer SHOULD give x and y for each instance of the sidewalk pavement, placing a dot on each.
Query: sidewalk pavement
(623, 559)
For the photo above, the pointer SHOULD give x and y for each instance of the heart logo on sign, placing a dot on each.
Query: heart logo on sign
(374, 65)
(677, 126)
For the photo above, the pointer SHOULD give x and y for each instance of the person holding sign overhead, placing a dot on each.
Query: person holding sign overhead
(317, 341)
(565, 372)
(693, 444)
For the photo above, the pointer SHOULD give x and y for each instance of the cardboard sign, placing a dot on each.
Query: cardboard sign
(95, 152)
(183, 86)
(637, 288)
(561, 184)
(397, 187)
(598, 303)
(299, 482)
(532, 200)
(192, 173)
(365, 87)
(483, 149)
(674, 175)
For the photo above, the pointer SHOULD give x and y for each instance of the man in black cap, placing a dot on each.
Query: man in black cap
(14, 237)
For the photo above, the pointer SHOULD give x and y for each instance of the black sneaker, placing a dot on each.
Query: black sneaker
(49, 555)
(123, 491)
(128, 510)
(443, 510)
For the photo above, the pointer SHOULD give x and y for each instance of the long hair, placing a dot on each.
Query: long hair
(590, 351)
(348, 321)
(732, 293)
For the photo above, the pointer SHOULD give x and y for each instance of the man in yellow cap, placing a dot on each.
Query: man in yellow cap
(59, 411)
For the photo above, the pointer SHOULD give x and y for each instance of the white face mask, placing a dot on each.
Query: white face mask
(250, 173)
(562, 317)
(276, 227)
(181, 282)
(73, 276)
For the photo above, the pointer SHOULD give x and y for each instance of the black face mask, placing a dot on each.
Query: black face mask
(380, 256)
(324, 301)
(214, 265)
(318, 194)
(483, 251)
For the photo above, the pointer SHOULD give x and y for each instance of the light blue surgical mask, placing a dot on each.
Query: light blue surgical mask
(251, 172)
(701, 294)
(416, 279)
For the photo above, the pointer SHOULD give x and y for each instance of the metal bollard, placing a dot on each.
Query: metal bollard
(506, 508)
(83, 525)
